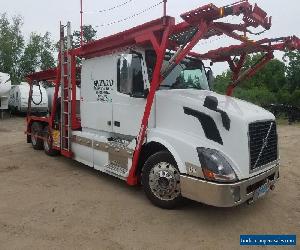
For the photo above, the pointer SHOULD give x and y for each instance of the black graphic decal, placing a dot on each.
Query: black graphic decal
(208, 124)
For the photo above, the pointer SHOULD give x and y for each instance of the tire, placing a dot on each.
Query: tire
(36, 130)
(48, 143)
(161, 180)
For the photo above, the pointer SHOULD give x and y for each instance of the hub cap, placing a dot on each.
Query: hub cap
(164, 180)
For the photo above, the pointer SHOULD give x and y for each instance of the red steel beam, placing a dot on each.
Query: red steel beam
(264, 45)
(45, 75)
(238, 78)
(132, 178)
(125, 38)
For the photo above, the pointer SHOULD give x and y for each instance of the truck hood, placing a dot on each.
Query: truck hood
(234, 107)
(234, 144)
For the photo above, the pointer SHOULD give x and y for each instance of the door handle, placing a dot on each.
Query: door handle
(117, 124)
(108, 123)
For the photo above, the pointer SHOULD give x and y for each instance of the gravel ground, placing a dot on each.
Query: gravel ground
(57, 203)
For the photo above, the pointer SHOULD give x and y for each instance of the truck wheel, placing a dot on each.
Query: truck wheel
(48, 143)
(161, 180)
(36, 130)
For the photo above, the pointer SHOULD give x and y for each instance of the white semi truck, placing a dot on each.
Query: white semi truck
(148, 114)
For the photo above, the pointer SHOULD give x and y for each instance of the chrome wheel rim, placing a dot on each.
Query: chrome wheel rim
(164, 180)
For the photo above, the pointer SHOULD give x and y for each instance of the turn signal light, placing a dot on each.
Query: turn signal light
(209, 175)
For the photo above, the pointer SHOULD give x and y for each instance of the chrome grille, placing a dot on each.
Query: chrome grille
(262, 143)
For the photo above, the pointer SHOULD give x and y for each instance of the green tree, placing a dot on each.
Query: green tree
(269, 85)
(89, 34)
(295, 98)
(257, 95)
(293, 69)
(222, 81)
(30, 58)
(38, 54)
(12, 44)
(48, 48)
(271, 76)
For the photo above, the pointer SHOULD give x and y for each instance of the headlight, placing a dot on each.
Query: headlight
(214, 166)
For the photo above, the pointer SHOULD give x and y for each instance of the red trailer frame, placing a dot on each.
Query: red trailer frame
(162, 35)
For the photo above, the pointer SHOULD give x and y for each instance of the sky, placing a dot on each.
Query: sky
(44, 15)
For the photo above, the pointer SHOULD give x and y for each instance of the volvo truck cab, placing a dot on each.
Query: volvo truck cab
(204, 146)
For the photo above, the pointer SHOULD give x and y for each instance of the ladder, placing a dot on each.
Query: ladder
(66, 88)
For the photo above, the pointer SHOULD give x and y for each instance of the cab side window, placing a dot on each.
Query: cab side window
(130, 75)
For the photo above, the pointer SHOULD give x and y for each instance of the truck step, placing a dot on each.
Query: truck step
(115, 169)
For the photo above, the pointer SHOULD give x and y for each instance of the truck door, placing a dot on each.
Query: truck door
(129, 100)
(98, 84)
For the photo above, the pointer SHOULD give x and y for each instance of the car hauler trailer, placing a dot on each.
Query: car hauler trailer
(149, 116)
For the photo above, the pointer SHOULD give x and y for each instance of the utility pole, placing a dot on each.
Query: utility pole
(165, 8)
(81, 23)
(165, 12)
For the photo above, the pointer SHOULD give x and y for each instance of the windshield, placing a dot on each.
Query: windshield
(189, 74)
(186, 76)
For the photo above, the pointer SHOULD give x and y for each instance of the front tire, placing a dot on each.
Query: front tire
(161, 180)
(36, 131)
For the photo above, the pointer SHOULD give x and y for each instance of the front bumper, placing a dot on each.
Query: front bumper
(229, 194)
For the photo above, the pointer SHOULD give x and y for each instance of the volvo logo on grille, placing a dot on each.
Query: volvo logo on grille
(265, 142)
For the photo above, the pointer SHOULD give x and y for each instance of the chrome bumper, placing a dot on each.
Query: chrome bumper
(226, 195)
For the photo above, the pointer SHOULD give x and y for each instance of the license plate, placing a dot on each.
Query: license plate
(262, 190)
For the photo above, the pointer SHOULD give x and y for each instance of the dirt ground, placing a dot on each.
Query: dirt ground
(57, 203)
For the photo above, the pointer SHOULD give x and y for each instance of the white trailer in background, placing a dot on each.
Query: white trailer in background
(50, 94)
(5, 86)
(19, 94)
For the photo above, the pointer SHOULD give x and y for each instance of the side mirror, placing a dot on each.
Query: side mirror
(210, 79)
(211, 103)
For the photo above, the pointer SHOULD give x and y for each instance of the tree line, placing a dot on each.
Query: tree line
(277, 83)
